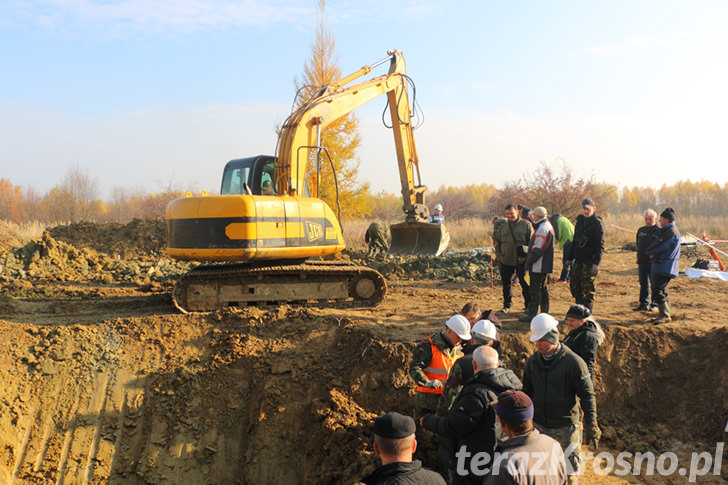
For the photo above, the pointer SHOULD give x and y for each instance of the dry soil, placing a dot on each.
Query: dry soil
(105, 382)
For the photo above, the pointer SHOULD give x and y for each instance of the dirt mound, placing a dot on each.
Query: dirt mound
(9, 238)
(454, 266)
(138, 237)
(48, 259)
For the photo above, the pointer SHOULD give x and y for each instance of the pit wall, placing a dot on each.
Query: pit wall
(288, 396)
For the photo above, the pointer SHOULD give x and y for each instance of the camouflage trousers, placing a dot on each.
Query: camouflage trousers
(568, 436)
(582, 284)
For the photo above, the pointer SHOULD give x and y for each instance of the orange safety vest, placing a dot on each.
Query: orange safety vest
(439, 368)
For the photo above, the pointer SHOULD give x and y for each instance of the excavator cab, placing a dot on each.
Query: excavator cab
(252, 176)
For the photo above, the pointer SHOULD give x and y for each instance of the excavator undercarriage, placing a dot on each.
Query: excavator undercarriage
(338, 283)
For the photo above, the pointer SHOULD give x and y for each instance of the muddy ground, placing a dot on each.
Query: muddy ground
(105, 382)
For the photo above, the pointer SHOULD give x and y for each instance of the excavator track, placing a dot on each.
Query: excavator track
(336, 283)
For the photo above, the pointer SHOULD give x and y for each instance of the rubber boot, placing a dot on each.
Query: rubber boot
(664, 316)
(545, 304)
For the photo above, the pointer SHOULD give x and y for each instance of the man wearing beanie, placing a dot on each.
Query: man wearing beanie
(517, 461)
(585, 254)
(664, 254)
(585, 335)
(394, 442)
(553, 378)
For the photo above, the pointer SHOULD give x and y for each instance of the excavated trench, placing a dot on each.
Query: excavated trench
(287, 396)
(104, 382)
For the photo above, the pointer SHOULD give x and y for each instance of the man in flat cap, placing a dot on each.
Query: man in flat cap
(585, 254)
(539, 263)
(664, 254)
(527, 456)
(394, 442)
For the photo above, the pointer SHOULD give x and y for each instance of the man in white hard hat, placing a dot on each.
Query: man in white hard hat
(554, 377)
(484, 332)
(437, 217)
(432, 360)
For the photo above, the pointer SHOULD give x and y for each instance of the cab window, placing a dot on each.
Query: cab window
(233, 180)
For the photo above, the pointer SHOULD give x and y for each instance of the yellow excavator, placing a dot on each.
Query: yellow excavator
(268, 220)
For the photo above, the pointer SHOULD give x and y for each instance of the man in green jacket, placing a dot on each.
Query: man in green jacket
(564, 234)
(554, 377)
(509, 241)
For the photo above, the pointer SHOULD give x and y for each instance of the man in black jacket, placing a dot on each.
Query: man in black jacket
(585, 335)
(394, 442)
(645, 236)
(554, 377)
(585, 254)
(470, 424)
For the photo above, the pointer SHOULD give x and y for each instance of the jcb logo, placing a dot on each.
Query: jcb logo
(314, 231)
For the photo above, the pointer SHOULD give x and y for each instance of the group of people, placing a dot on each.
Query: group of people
(525, 244)
(481, 413)
(486, 421)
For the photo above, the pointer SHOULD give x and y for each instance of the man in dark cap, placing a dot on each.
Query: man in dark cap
(585, 254)
(394, 442)
(664, 254)
(517, 461)
(585, 335)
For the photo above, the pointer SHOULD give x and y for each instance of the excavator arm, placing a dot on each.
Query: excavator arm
(299, 140)
(299, 147)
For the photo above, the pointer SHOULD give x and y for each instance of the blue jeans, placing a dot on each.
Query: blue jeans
(643, 270)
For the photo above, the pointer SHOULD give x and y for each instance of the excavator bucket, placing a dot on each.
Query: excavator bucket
(418, 238)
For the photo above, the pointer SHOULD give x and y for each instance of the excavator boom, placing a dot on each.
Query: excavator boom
(298, 144)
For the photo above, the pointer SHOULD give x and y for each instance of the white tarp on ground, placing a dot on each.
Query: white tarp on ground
(706, 273)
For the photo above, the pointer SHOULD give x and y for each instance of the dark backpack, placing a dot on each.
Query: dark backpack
(554, 220)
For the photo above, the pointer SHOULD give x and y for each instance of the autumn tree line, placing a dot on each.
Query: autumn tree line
(77, 198)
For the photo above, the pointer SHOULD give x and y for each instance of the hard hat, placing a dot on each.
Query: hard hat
(438, 207)
(460, 325)
(483, 330)
(542, 324)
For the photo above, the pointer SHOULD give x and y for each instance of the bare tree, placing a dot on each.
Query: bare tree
(560, 192)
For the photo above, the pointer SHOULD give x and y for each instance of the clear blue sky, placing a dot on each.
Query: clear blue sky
(155, 93)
